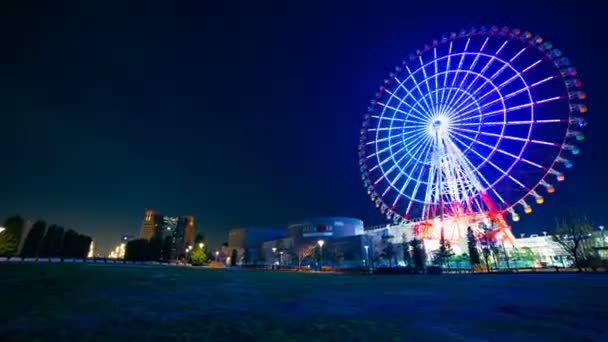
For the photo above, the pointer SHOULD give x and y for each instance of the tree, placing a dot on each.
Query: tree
(445, 252)
(336, 255)
(419, 254)
(166, 250)
(473, 251)
(9, 238)
(407, 256)
(304, 251)
(52, 241)
(137, 250)
(573, 237)
(233, 256)
(245, 258)
(154, 250)
(199, 257)
(34, 239)
(388, 252)
(84, 243)
(259, 255)
(69, 246)
(200, 238)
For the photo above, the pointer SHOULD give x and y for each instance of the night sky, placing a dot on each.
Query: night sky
(241, 114)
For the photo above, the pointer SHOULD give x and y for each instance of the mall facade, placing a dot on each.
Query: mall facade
(345, 242)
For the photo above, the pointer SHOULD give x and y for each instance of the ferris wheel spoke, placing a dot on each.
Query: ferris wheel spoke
(428, 87)
(500, 123)
(426, 144)
(472, 67)
(510, 109)
(418, 180)
(518, 54)
(386, 106)
(418, 86)
(413, 108)
(504, 173)
(459, 69)
(405, 147)
(415, 155)
(512, 137)
(396, 119)
(495, 148)
(445, 78)
(388, 138)
(483, 71)
(511, 79)
(476, 170)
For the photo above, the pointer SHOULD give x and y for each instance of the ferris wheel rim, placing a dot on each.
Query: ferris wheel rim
(419, 103)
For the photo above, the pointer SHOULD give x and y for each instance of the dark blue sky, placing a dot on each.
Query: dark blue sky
(241, 114)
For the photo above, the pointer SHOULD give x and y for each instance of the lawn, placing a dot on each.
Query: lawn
(66, 302)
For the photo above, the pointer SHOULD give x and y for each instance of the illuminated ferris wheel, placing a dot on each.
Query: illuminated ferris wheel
(477, 125)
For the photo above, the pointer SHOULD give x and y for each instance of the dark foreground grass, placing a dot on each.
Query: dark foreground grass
(66, 302)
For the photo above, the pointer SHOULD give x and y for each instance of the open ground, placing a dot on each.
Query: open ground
(115, 302)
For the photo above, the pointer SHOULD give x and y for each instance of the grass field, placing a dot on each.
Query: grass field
(66, 302)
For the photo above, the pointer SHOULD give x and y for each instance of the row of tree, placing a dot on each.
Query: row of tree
(163, 249)
(41, 241)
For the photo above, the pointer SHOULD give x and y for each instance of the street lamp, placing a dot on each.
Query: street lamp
(274, 254)
(367, 255)
(216, 255)
(280, 258)
(321, 243)
(201, 245)
(2, 229)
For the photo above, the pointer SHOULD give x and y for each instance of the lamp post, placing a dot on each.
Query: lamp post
(216, 255)
(201, 245)
(367, 256)
(280, 258)
(2, 229)
(274, 254)
(600, 227)
(321, 243)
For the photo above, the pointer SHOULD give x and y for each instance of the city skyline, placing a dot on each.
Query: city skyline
(224, 116)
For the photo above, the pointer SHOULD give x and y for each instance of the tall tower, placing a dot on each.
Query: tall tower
(150, 224)
(183, 236)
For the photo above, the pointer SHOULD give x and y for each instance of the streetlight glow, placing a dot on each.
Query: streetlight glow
(274, 249)
(201, 245)
(321, 243)
(2, 229)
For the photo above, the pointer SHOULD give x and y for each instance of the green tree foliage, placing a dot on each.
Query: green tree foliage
(198, 257)
(9, 238)
(166, 250)
(407, 256)
(233, 257)
(444, 253)
(419, 254)
(573, 236)
(33, 240)
(473, 251)
(52, 242)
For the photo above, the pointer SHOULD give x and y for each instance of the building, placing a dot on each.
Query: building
(179, 228)
(248, 240)
(150, 225)
(183, 236)
(326, 240)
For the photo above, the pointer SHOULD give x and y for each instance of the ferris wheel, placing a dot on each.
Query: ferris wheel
(477, 126)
